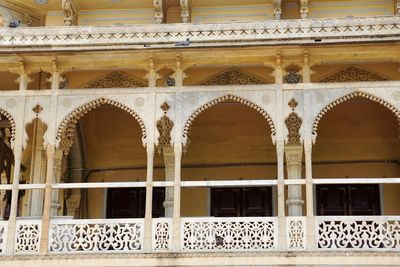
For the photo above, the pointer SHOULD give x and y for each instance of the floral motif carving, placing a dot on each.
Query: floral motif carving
(233, 76)
(116, 79)
(95, 235)
(229, 97)
(296, 233)
(293, 123)
(28, 236)
(292, 76)
(164, 127)
(363, 233)
(353, 74)
(162, 235)
(216, 234)
(65, 132)
(344, 98)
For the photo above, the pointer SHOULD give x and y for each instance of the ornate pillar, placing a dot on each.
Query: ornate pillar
(185, 11)
(70, 12)
(278, 72)
(294, 156)
(23, 78)
(73, 206)
(60, 168)
(303, 9)
(152, 75)
(309, 194)
(56, 78)
(177, 198)
(17, 149)
(169, 162)
(179, 74)
(47, 198)
(306, 71)
(149, 197)
(158, 11)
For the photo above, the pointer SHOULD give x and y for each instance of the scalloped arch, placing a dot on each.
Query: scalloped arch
(238, 99)
(10, 118)
(65, 131)
(346, 97)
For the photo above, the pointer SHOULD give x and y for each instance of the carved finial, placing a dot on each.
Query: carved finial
(185, 11)
(303, 9)
(164, 127)
(165, 107)
(37, 109)
(292, 104)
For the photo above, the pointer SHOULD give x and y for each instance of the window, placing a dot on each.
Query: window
(241, 202)
(348, 200)
(131, 202)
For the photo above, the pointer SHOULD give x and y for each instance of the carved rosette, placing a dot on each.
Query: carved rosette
(233, 76)
(164, 127)
(292, 76)
(293, 123)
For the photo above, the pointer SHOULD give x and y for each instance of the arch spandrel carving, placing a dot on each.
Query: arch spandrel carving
(349, 96)
(227, 97)
(116, 79)
(4, 114)
(233, 76)
(65, 130)
(353, 74)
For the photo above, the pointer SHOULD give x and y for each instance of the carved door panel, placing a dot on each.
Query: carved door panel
(131, 202)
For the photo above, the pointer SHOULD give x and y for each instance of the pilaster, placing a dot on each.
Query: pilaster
(149, 197)
(294, 156)
(277, 9)
(303, 9)
(185, 11)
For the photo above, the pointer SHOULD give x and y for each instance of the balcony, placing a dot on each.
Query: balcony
(305, 31)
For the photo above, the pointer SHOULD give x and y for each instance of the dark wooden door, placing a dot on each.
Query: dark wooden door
(131, 202)
(241, 202)
(348, 200)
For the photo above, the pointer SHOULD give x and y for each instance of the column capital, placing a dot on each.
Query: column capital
(294, 154)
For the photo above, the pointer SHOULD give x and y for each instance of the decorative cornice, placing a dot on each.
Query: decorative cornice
(229, 97)
(202, 35)
(344, 98)
(65, 132)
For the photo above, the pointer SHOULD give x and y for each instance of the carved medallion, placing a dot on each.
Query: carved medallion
(11, 102)
(139, 102)
(67, 103)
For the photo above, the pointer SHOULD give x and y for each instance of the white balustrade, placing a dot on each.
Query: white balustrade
(3, 235)
(162, 234)
(108, 235)
(358, 233)
(229, 234)
(296, 233)
(27, 236)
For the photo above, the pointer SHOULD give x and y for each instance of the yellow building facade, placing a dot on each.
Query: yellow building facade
(199, 133)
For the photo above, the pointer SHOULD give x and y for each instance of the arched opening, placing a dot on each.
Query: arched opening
(229, 141)
(106, 147)
(358, 138)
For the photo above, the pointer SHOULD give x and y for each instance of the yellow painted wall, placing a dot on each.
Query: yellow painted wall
(346, 8)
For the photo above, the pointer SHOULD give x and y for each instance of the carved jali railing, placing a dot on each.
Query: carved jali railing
(3, 236)
(358, 233)
(27, 236)
(87, 236)
(229, 234)
(162, 235)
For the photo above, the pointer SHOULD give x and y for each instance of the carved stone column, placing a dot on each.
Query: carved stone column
(169, 161)
(176, 221)
(294, 156)
(306, 71)
(278, 72)
(73, 204)
(152, 75)
(179, 74)
(47, 199)
(149, 197)
(59, 171)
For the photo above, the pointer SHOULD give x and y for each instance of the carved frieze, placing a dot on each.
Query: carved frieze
(233, 76)
(116, 79)
(353, 74)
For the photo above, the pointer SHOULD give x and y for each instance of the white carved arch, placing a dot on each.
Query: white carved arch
(65, 130)
(231, 97)
(346, 97)
(10, 118)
